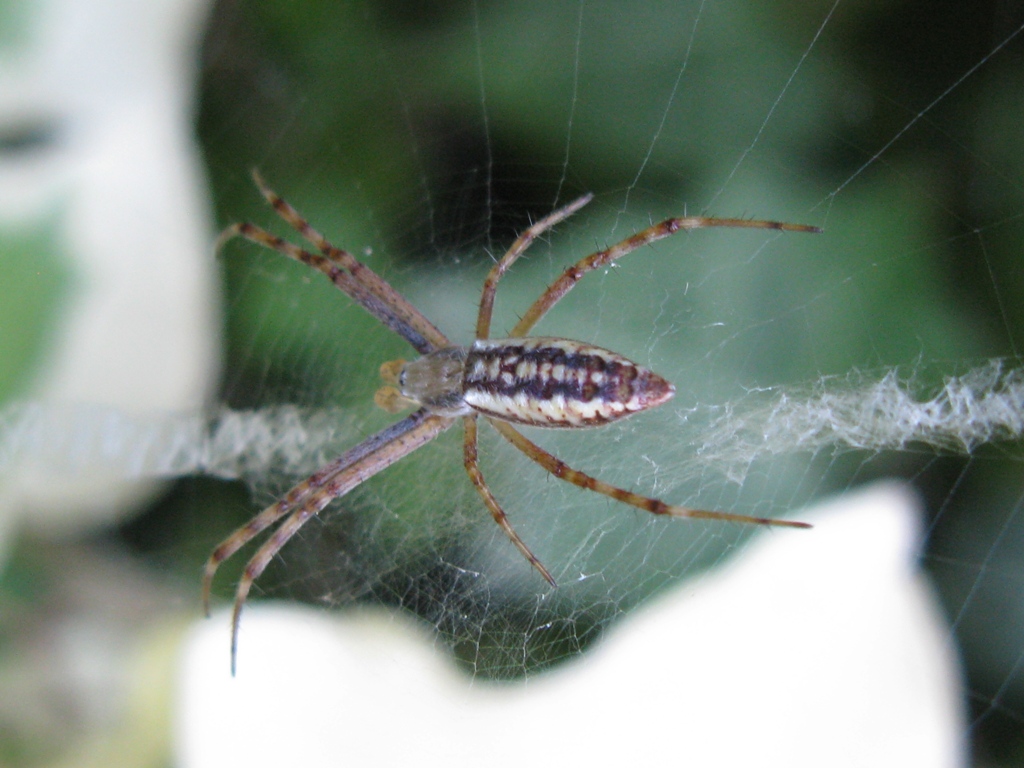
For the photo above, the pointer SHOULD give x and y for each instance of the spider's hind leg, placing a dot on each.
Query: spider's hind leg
(573, 274)
(563, 471)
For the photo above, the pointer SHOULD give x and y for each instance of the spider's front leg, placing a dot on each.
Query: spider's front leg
(349, 274)
(353, 468)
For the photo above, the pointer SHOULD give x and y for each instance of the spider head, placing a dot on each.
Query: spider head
(389, 397)
(433, 381)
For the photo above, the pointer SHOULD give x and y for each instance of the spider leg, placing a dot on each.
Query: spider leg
(372, 283)
(473, 470)
(295, 496)
(563, 471)
(245, 534)
(265, 519)
(259, 561)
(667, 228)
(483, 320)
(372, 303)
(374, 455)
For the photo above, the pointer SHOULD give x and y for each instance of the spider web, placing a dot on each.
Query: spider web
(887, 347)
(426, 138)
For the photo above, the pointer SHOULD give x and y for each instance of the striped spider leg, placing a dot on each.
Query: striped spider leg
(536, 381)
(374, 454)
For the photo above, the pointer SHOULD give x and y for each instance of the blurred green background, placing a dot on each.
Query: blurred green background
(435, 131)
(426, 134)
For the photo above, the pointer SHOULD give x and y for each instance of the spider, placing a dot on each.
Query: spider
(534, 381)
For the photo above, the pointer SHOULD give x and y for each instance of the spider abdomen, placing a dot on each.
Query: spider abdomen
(551, 382)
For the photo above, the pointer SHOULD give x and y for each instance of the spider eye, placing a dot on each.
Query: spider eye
(401, 379)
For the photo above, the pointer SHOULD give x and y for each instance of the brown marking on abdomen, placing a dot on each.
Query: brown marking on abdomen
(572, 384)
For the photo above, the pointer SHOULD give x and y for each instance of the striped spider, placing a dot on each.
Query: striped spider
(536, 381)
